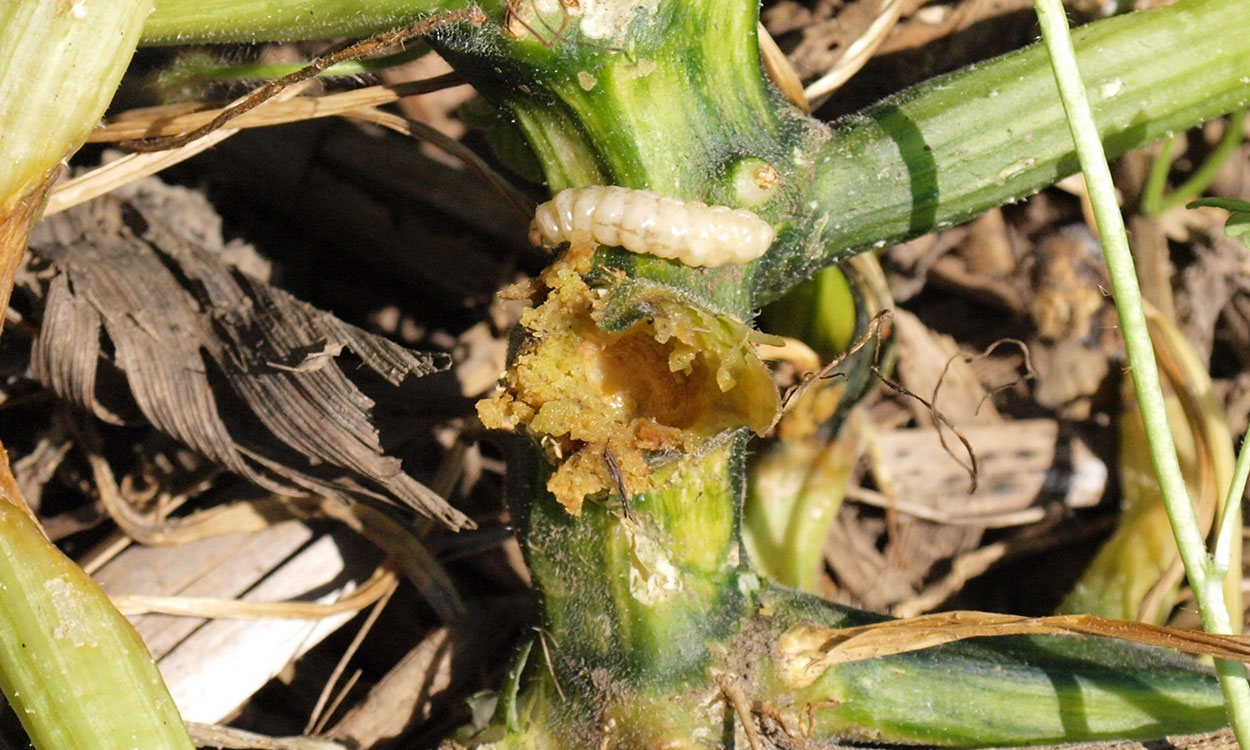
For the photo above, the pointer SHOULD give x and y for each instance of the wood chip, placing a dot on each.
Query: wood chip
(1023, 464)
(214, 666)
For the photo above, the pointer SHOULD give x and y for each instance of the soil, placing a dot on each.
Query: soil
(310, 310)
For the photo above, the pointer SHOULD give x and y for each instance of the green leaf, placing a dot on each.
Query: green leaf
(1238, 224)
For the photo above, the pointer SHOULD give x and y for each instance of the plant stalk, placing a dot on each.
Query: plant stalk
(1204, 576)
(74, 670)
(59, 64)
(633, 375)
(213, 21)
(1153, 202)
(926, 158)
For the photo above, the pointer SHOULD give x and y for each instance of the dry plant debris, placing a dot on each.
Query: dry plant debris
(809, 650)
(238, 370)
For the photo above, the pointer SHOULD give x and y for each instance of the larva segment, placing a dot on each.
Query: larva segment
(643, 222)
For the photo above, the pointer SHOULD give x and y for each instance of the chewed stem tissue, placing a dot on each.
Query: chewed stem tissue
(641, 221)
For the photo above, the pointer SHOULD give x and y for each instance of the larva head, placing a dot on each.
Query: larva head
(545, 229)
(535, 234)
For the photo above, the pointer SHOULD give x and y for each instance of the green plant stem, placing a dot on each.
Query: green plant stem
(647, 599)
(59, 65)
(991, 692)
(198, 71)
(1153, 202)
(956, 146)
(1227, 525)
(1204, 575)
(74, 670)
(205, 21)
(924, 159)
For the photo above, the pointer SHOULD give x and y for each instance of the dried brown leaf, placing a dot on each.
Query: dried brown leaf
(174, 119)
(809, 650)
(241, 372)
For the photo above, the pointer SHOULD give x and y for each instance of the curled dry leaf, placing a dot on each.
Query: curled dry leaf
(242, 372)
(808, 650)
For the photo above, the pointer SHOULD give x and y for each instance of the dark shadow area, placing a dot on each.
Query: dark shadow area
(887, 74)
(921, 167)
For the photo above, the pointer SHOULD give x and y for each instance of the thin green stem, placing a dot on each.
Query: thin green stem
(1228, 520)
(207, 21)
(1199, 567)
(953, 148)
(1157, 179)
(199, 71)
(1153, 201)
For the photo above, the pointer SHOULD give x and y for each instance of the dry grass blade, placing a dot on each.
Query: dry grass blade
(378, 585)
(168, 120)
(230, 738)
(276, 86)
(410, 555)
(446, 661)
(319, 715)
(809, 650)
(780, 71)
(856, 55)
(1182, 368)
(284, 107)
(399, 540)
(132, 167)
(1137, 573)
(181, 137)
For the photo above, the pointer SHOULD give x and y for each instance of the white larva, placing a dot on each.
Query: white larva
(643, 222)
